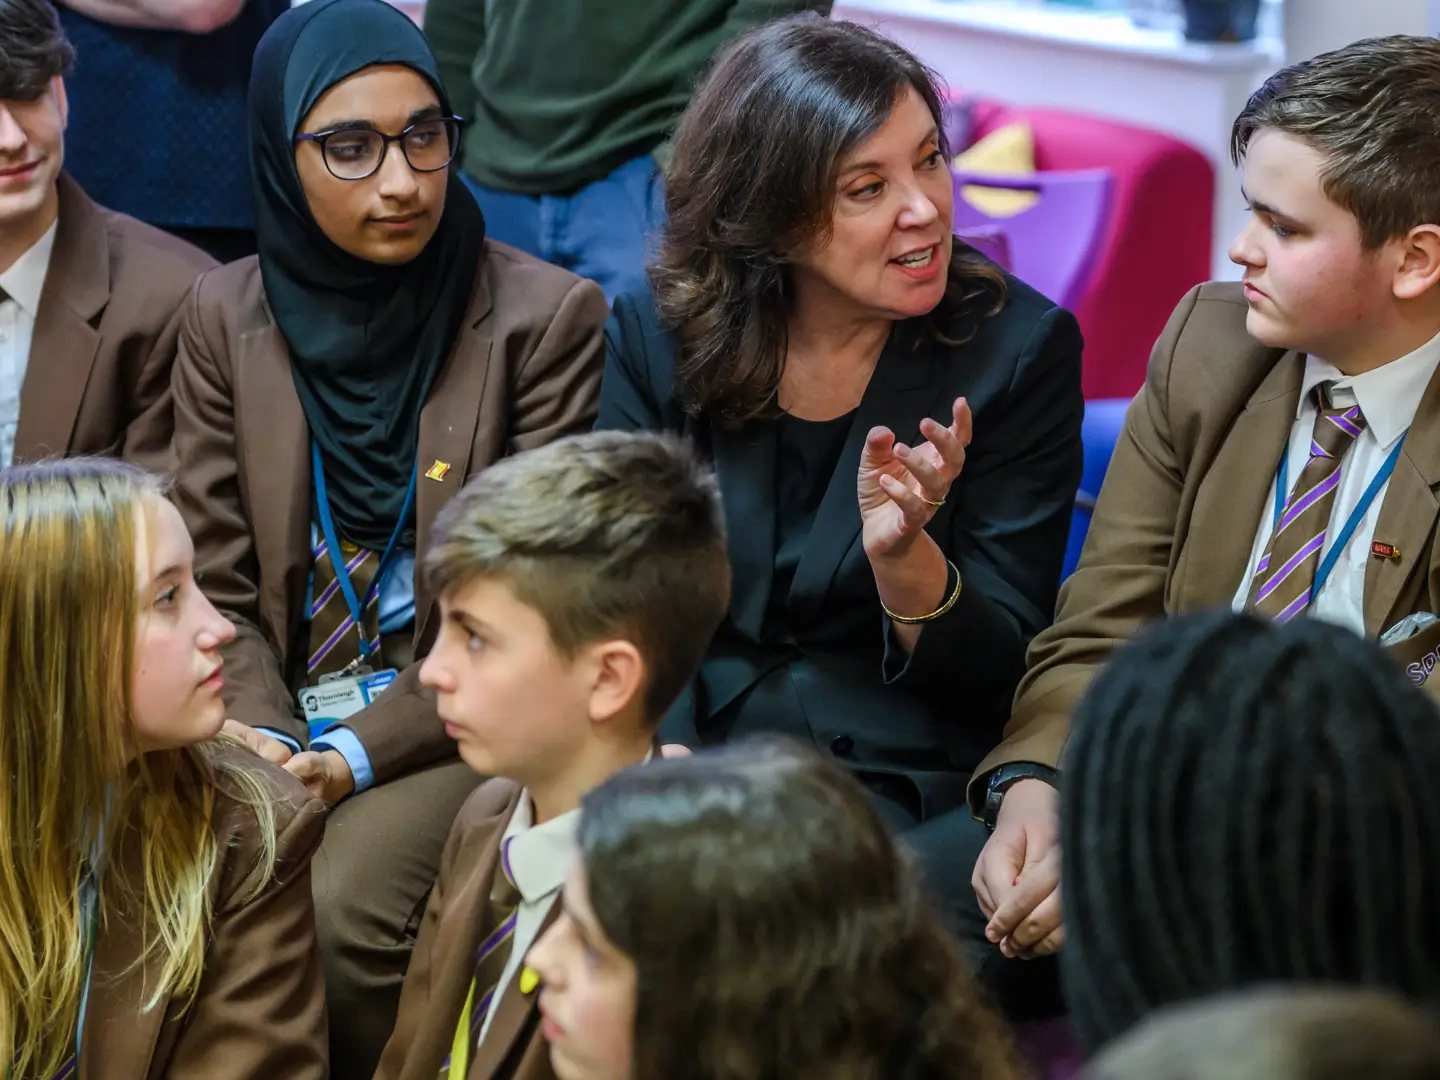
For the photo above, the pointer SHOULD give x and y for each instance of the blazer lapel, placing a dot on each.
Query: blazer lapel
(64, 343)
(447, 436)
(276, 460)
(745, 466)
(1407, 516)
(1238, 487)
(121, 1036)
(902, 391)
(514, 1015)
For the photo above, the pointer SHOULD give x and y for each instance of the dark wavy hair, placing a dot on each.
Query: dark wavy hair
(1247, 803)
(33, 49)
(776, 930)
(756, 159)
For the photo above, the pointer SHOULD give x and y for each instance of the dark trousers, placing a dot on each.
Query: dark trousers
(946, 849)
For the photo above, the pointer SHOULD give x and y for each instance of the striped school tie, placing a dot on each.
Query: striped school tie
(334, 640)
(490, 958)
(1285, 574)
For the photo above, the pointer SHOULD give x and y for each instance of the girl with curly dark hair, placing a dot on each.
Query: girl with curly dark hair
(745, 915)
(895, 423)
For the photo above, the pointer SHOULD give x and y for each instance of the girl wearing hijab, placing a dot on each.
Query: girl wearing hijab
(331, 394)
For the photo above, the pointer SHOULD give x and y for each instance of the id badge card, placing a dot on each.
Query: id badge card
(335, 700)
(1415, 643)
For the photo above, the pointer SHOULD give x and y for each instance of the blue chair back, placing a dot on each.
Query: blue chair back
(1099, 432)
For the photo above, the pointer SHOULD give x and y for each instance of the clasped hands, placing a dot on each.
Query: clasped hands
(1017, 877)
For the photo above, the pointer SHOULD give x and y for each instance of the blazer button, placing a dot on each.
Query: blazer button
(842, 745)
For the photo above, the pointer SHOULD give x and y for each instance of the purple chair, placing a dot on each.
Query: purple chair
(1054, 245)
(990, 241)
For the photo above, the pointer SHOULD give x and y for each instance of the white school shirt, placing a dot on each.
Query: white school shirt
(540, 857)
(539, 860)
(1388, 397)
(23, 284)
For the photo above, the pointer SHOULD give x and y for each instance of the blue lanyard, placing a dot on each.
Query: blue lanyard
(1282, 488)
(90, 900)
(337, 559)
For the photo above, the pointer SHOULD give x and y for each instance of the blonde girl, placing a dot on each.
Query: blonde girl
(155, 910)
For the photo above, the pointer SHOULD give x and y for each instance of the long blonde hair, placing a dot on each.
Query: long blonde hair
(69, 791)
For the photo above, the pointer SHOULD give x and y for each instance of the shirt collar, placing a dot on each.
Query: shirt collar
(1388, 395)
(25, 279)
(539, 855)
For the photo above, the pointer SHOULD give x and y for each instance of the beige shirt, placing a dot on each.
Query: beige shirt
(539, 857)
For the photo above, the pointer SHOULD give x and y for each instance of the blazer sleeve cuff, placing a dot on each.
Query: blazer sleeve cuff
(286, 738)
(345, 742)
(401, 731)
(971, 635)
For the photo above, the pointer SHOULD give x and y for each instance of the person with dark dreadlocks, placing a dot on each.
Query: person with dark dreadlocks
(1247, 802)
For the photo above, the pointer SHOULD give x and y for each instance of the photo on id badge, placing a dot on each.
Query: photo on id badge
(341, 695)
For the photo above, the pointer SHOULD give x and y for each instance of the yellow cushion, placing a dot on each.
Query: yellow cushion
(1006, 151)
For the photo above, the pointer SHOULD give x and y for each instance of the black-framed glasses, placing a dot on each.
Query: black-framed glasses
(355, 153)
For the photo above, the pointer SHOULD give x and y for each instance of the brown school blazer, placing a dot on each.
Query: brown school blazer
(525, 369)
(1193, 471)
(259, 1013)
(443, 962)
(98, 377)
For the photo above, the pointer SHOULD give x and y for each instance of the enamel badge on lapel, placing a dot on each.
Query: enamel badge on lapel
(1382, 550)
(438, 470)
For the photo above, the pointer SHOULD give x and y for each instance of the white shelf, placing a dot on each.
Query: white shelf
(1104, 31)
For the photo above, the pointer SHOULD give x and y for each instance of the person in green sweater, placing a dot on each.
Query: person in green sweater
(567, 107)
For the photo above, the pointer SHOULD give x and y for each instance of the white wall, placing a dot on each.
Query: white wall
(1314, 26)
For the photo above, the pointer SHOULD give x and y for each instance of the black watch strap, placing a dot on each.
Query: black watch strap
(1006, 776)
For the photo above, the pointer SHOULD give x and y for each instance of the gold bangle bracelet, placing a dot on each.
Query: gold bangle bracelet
(910, 620)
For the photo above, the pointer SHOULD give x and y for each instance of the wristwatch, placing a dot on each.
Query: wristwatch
(1004, 777)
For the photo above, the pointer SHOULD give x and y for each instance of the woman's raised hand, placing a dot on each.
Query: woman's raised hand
(900, 487)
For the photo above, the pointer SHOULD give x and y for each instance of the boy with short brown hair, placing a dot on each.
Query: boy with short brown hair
(579, 586)
(1283, 454)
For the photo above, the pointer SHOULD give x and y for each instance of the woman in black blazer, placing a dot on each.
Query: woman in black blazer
(894, 421)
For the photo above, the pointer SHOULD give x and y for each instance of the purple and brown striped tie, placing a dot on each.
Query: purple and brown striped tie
(1285, 575)
(334, 637)
(493, 954)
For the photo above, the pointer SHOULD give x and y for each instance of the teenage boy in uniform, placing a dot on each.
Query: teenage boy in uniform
(579, 586)
(89, 299)
(1284, 452)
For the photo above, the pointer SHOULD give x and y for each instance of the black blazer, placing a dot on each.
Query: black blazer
(932, 715)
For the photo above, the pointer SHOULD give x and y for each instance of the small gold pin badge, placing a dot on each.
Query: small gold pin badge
(529, 980)
(1382, 550)
(438, 470)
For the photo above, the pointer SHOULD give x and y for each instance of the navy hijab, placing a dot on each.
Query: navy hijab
(366, 340)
